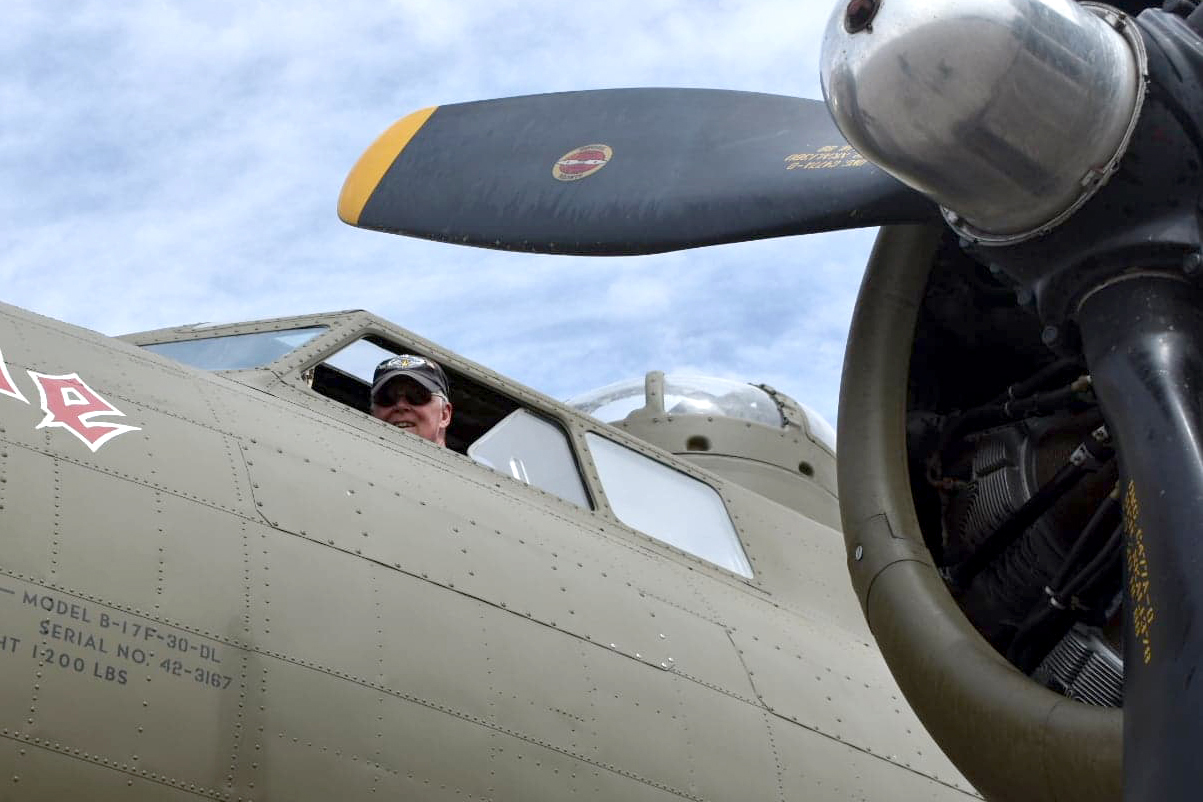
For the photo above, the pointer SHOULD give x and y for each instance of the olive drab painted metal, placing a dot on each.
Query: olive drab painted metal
(263, 593)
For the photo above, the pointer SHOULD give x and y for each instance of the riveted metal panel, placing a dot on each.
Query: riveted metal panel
(40, 772)
(19, 664)
(144, 681)
(322, 737)
(176, 556)
(372, 498)
(552, 570)
(582, 582)
(840, 687)
(202, 579)
(108, 612)
(185, 460)
(549, 701)
(348, 741)
(28, 499)
(433, 645)
(320, 618)
(818, 768)
(190, 461)
(525, 678)
(88, 504)
(714, 734)
(530, 771)
(799, 561)
(474, 754)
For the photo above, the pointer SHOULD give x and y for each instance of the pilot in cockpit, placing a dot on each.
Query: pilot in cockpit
(411, 392)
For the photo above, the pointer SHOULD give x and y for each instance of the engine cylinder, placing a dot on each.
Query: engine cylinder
(1011, 737)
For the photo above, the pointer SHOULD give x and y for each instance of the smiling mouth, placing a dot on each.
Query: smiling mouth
(404, 424)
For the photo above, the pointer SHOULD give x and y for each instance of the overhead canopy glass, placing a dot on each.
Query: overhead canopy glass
(683, 395)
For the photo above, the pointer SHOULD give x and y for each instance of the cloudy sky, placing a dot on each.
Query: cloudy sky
(172, 163)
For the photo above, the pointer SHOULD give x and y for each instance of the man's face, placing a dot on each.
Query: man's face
(405, 403)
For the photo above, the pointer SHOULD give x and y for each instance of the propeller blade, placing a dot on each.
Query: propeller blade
(620, 172)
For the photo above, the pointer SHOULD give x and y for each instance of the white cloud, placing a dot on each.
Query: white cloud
(168, 163)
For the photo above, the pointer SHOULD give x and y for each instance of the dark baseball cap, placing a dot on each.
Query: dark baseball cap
(425, 372)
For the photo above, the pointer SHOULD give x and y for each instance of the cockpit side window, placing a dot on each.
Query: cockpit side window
(488, 426)
(671, 506)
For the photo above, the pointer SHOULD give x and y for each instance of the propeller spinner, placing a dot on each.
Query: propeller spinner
(1010, 114)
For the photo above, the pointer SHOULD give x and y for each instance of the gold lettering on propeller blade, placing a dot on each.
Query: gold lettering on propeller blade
(1143, 613)
(826, 157)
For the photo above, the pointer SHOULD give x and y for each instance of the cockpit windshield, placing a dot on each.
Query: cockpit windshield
(683, 395)
(236, 351)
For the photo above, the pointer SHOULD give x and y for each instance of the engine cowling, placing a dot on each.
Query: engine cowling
(1011, 736)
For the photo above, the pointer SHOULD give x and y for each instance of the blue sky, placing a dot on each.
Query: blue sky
(174, 163)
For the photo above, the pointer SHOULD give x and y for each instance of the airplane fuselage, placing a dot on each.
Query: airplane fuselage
(249, 590)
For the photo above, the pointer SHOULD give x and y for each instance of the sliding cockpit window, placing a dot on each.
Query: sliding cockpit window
(534, 451)
(486, 425)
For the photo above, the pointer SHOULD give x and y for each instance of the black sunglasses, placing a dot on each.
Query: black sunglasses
(416, 395)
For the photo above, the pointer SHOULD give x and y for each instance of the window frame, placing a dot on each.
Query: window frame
(345, 328)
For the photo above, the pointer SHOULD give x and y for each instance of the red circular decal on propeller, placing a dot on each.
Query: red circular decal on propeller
(581, 162)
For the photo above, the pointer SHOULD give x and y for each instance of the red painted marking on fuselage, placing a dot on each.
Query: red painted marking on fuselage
(69, 403)
(7, 386)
